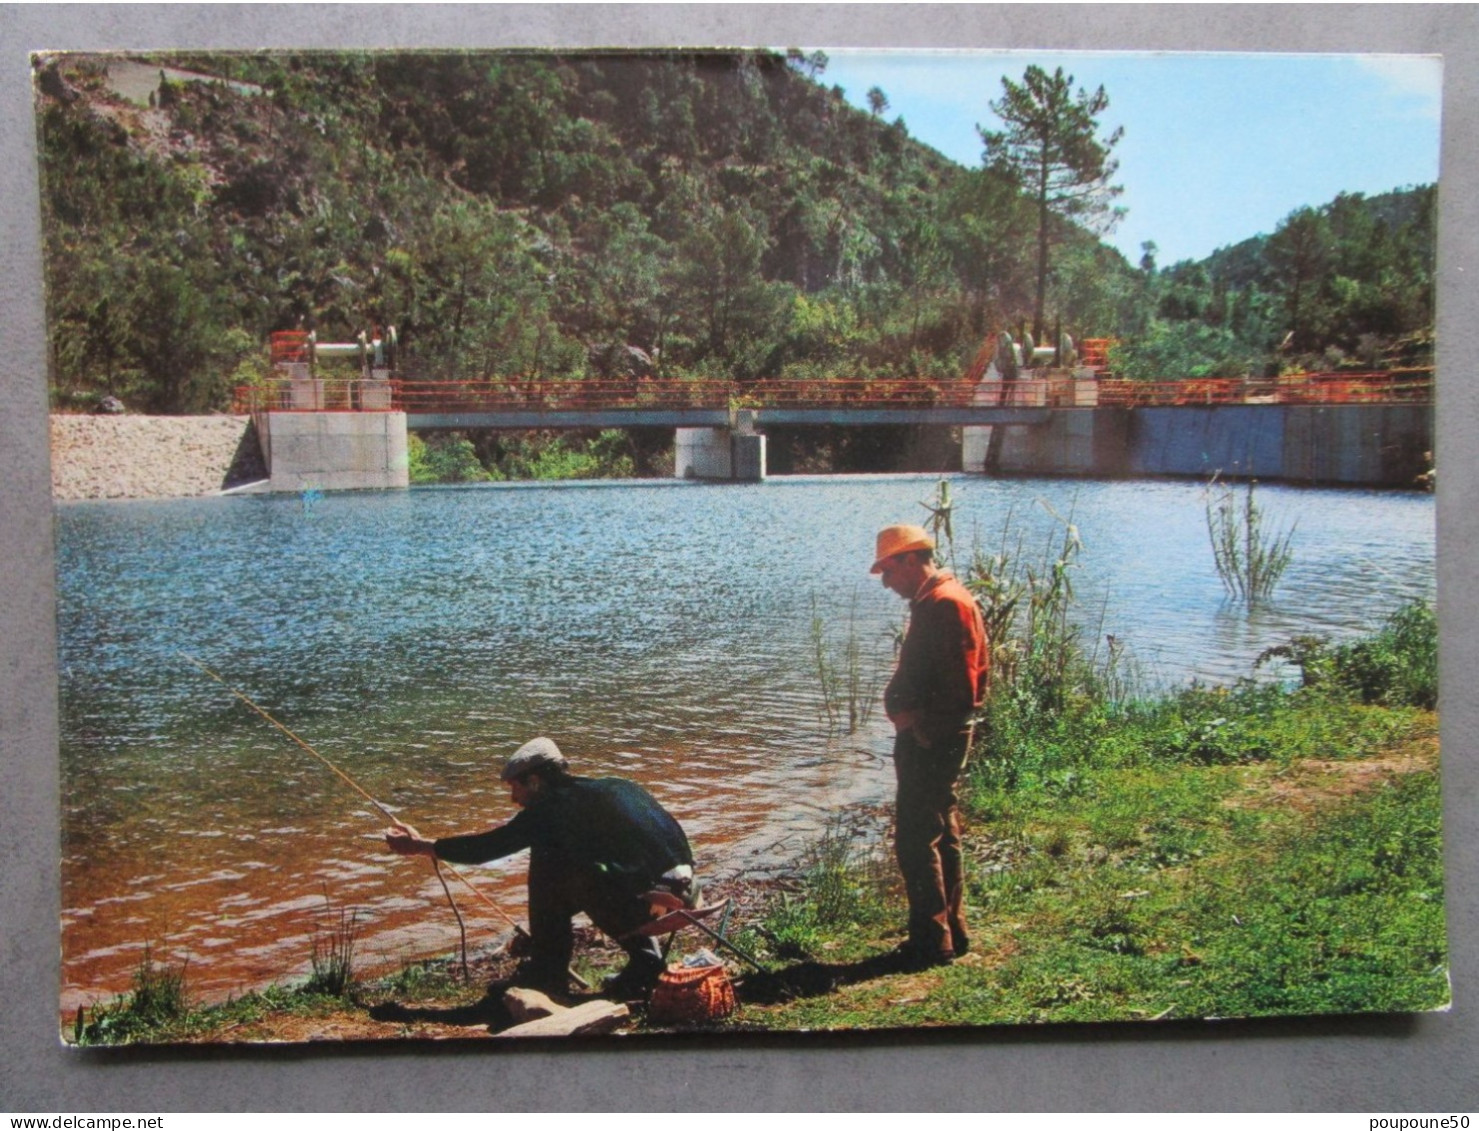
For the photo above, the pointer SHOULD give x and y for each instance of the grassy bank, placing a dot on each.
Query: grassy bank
(1306, 878)
(1265, 849)
(1252, 851)
(1285, 860)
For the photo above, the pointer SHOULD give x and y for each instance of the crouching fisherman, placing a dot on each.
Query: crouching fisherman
(597, 845)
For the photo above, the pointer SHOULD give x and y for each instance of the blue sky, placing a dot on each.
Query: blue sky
(1217, 147)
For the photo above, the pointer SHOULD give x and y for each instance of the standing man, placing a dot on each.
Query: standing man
(597, 845)
(939, 682)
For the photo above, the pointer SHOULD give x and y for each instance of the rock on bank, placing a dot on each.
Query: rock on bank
(151, 457)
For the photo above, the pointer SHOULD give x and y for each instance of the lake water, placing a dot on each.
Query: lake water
(658, 631)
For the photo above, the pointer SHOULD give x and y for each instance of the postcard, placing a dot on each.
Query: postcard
(741, 541)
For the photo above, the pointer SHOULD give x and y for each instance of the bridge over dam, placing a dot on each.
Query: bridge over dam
(1372, 429)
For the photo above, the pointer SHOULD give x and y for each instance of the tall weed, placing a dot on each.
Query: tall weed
(1037, 654)
(1044, 679)
(843, 884)
(157, 1001)
(848, 676)
(1249, 556)
(332, 957)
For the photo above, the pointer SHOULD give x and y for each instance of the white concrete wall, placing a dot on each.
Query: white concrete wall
(336, 451)
(747, 456)
(702, 453)
(975, 441)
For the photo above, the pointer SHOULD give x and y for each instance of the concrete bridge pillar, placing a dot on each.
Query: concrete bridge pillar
(735, 454)
(334, 451)
(976, 455)
(975, 448)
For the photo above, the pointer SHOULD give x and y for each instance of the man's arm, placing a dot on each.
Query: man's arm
(403, 840)
(477, 848)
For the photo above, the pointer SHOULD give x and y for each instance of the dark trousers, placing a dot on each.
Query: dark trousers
(927, 841)
(557, 894)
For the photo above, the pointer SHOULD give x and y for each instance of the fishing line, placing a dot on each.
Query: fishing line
(354, 785)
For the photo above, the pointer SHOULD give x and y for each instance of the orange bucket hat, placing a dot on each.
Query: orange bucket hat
(899, 540)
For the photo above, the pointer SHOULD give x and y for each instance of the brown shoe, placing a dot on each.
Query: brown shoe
(908, 958)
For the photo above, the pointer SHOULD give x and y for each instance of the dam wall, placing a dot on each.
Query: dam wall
(1350, 445)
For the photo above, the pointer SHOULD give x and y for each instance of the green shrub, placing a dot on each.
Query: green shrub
(1397, 667)
(447, 458)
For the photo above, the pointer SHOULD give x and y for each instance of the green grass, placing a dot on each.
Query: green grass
(844, 897)
(157, 1003)
(265, 1013)
(1253, 851)
(1242, 853)
(1165, 897)
(122, 1021)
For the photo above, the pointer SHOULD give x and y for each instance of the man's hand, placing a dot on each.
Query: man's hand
(908, 722)
(403, 840)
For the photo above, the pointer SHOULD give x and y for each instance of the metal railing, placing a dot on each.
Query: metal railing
(1305, 388)
(526, 394)
(597, 394)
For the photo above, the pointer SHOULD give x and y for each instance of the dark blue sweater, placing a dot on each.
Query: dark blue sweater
(594, 826)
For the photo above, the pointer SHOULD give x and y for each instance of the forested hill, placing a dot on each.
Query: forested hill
(1349, 284)
(719, 214)
(726, 213)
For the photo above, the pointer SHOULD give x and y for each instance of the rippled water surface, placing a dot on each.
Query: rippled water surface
(658, 631)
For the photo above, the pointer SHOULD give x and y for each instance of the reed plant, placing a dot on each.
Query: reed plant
(332, 957)
(941, 523)
(1250, 556)
(1053, 673)
(848, 676)
(1038, 658)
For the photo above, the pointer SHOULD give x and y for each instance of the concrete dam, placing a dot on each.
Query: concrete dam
(1365, 445)
(1368, 445)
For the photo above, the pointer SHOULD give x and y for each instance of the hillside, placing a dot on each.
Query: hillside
(723, 213)
(703, 213)
(1346, 285)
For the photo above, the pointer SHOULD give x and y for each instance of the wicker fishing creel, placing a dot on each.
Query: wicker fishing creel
(691, 994)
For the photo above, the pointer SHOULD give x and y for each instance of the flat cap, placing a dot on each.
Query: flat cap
(535, 755)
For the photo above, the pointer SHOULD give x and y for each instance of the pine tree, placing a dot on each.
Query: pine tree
(1050, 150)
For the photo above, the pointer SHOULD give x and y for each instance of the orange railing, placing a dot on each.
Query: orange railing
(1305, 388)
(880, 392)
(536, 395)
(314, 396)
(526, 394)
(288, 346)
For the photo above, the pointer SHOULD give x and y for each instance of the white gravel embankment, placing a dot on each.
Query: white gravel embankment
(145, 457)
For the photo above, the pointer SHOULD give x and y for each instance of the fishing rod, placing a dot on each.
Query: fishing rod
(354, 785)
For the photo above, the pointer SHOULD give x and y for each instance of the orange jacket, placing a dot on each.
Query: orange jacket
(943, 665)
